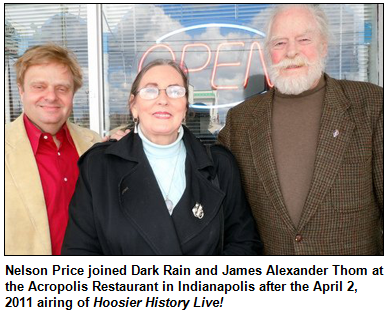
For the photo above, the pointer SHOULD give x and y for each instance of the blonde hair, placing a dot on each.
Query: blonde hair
(45, 54)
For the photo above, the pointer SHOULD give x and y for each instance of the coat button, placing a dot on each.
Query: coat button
(298, 238)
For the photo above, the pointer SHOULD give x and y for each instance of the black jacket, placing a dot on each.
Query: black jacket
(118, 208)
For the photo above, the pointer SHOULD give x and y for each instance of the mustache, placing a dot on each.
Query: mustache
(297, 61)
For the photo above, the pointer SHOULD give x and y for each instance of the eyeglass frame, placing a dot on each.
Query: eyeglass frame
(159, 89)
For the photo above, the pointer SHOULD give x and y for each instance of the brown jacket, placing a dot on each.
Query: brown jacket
(343, 212)
(26, 224)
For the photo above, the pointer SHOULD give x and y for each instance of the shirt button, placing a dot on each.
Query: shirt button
(45, 137)
(65, 179)
(298, 238)
(59, 153)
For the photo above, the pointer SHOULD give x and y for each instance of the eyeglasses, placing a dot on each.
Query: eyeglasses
(150, 93)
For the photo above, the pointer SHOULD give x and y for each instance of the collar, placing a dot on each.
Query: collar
(321, 85)
(161, 151)
(260, 105)
(130, 148)
(35, 134)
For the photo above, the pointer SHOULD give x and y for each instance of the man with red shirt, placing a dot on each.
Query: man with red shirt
(41, 152)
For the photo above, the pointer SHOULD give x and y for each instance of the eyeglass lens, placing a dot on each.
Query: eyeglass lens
(171, 91)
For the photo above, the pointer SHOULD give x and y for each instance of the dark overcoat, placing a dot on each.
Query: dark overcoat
(343, 212)
(118, 208)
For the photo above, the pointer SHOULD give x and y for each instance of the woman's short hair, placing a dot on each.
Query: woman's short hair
(182, 70)
(45, 54)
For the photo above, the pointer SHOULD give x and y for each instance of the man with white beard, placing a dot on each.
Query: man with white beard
(310, 150)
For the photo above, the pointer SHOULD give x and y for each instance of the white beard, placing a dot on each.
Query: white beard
(295, 85)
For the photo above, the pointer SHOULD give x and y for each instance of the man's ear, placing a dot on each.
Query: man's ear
(324, 49)
(21, 90)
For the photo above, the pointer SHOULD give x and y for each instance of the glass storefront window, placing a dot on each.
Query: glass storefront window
(221, 44)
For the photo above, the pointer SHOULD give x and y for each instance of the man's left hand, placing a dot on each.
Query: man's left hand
(117, 135)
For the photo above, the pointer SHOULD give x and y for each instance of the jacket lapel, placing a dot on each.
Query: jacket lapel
(142, 201)
(260, 137)
(200, 190)
(83, 138)
(334, 136)
(23, 169)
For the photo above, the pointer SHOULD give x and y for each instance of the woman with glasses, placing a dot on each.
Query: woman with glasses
(158, 191)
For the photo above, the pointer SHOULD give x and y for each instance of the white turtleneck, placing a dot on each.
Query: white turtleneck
(163, 159)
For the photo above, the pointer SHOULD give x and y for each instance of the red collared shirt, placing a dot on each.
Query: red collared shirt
(58, 174)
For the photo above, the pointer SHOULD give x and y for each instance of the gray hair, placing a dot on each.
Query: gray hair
(315, 10)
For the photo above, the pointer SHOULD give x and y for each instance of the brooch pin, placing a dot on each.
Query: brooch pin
(198, 211)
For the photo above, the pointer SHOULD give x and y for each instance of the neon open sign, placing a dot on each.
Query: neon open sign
(253, 47)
